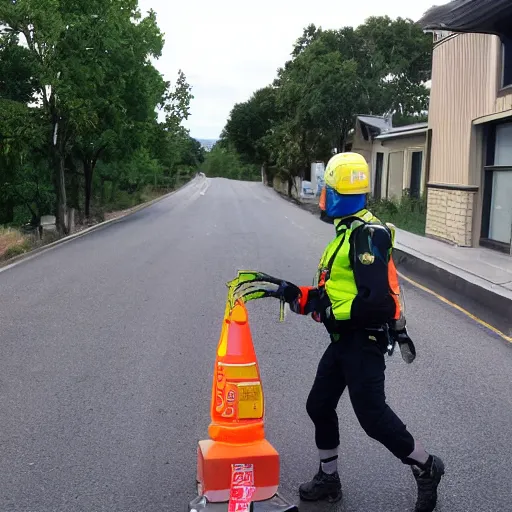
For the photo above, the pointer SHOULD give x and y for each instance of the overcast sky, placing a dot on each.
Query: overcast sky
(229, 48)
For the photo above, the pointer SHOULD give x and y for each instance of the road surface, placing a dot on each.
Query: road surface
(107, 347)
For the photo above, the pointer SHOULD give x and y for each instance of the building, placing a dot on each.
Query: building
(469, 174)
(396, 155)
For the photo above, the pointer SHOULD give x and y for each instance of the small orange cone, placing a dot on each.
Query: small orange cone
(237, 434)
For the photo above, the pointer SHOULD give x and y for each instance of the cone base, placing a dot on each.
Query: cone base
(214, 460)
(275, 504)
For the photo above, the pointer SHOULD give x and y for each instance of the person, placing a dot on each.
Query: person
(356, 296)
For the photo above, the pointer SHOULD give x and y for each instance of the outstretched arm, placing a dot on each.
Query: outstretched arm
(303, 300)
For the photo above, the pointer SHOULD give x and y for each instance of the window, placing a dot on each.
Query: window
(379, 165)
(395, 175)
(364, 131)
(497, 205)
(507, 62)
(416, 166)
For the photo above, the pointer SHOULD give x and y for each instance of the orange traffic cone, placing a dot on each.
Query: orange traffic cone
(237, 434)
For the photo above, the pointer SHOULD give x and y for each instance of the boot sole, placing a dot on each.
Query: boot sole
(328, 499)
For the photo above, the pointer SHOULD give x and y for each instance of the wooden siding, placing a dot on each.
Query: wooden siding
(464, 87)
(504, 102)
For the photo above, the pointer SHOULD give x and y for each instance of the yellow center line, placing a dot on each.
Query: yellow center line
(456, 306)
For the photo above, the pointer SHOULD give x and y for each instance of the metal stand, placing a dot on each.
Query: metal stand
(276, 504)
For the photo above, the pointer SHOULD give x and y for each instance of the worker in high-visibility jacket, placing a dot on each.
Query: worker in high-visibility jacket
(357, 297)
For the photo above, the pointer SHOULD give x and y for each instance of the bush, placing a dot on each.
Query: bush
(17, 249)
(225, 163)
(123, 200)
(408, 213)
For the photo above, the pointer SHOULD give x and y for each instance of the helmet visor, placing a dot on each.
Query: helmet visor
(340, 205)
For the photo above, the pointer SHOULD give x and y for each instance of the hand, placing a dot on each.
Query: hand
(323, 314)
(291, 294)
(405, 343)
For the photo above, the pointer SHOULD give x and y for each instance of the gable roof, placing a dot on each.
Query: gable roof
(401, 131)
(481, 16)
(381, 127)
(379, 122)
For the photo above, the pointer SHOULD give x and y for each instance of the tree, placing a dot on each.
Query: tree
(310, 34)
(401, 58)
(88, 66)
(176, 102)
(40, 23)
(24, 175)
(20, 133)
(109, 82)
(250, 123)
(333, 95)
(224, 161)
(378, 68)
(17, 69)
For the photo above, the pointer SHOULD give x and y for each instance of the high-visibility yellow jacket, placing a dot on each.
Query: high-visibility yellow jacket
(357, 272)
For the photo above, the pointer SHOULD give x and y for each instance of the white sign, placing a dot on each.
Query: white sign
(319, 171)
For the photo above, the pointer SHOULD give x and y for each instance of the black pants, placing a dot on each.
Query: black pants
(356, 362)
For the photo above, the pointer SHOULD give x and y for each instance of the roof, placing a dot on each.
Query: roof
(381, 127)
(400, 131)
(409, 128)
(483, 16)
(379, 122)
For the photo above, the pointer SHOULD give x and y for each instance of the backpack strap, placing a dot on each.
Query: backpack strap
(353, 222)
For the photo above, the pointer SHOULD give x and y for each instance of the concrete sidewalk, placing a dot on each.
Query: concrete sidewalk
(478, 279)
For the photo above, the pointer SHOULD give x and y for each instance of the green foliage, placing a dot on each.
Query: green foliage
(92, 130)
(378, 68)
(139, 170)
(224, 161)
(16, 65)
(408, 213)
(248, 125)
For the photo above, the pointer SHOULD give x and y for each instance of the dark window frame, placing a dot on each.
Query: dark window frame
(412, 153)
(365, 132)
(489, 168)
(377, 189)
(506, 64)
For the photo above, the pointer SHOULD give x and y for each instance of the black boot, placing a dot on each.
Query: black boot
(322, 487)
(428, 478)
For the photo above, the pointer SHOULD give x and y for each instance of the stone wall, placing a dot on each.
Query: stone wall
(282, 186)
(450, 215)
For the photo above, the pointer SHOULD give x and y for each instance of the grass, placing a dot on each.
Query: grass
(12, 243)
(409, 214)
(125, 201)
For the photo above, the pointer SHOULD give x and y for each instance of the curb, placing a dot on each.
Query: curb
(6, 265)
(490, 306)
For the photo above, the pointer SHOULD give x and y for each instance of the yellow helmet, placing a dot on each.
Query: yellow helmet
(348, 173)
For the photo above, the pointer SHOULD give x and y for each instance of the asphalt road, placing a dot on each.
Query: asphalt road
(106, 351)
